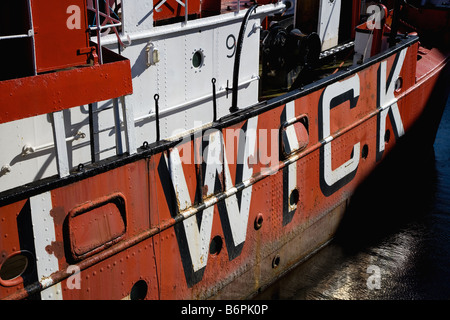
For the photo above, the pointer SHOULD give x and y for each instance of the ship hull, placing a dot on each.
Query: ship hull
(162, 224)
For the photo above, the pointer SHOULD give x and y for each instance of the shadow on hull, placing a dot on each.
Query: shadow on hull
(402, 186)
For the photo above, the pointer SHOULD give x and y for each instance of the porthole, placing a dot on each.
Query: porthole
(294, 197)
(398, 84)
(139, 290)
(259, 221)
(197, 59)
(365, 151)
(387, 136)
(216, 245)
(14, 267)
(276, 261)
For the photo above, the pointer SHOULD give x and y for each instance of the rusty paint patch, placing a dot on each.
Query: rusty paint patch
(58, 214)
(56, 248)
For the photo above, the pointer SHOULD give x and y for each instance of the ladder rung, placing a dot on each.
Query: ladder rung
(102, 109)
(107, 149)
(105, 129)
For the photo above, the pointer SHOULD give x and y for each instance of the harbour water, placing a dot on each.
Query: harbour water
(395, 243)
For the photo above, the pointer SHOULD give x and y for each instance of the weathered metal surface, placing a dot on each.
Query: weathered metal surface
(245, 233)
(50, 92)
(60, 41)
(227, 206)
(94, 225)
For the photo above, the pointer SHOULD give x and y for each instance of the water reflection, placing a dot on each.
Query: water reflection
(399, 248)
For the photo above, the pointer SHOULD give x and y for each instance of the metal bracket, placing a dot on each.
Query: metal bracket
(152, 54)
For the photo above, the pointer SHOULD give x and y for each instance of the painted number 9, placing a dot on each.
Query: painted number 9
(231, 45)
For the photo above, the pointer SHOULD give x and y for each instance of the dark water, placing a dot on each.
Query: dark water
(400, 250)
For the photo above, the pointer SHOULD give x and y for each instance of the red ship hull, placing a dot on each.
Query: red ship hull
(149, 226)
